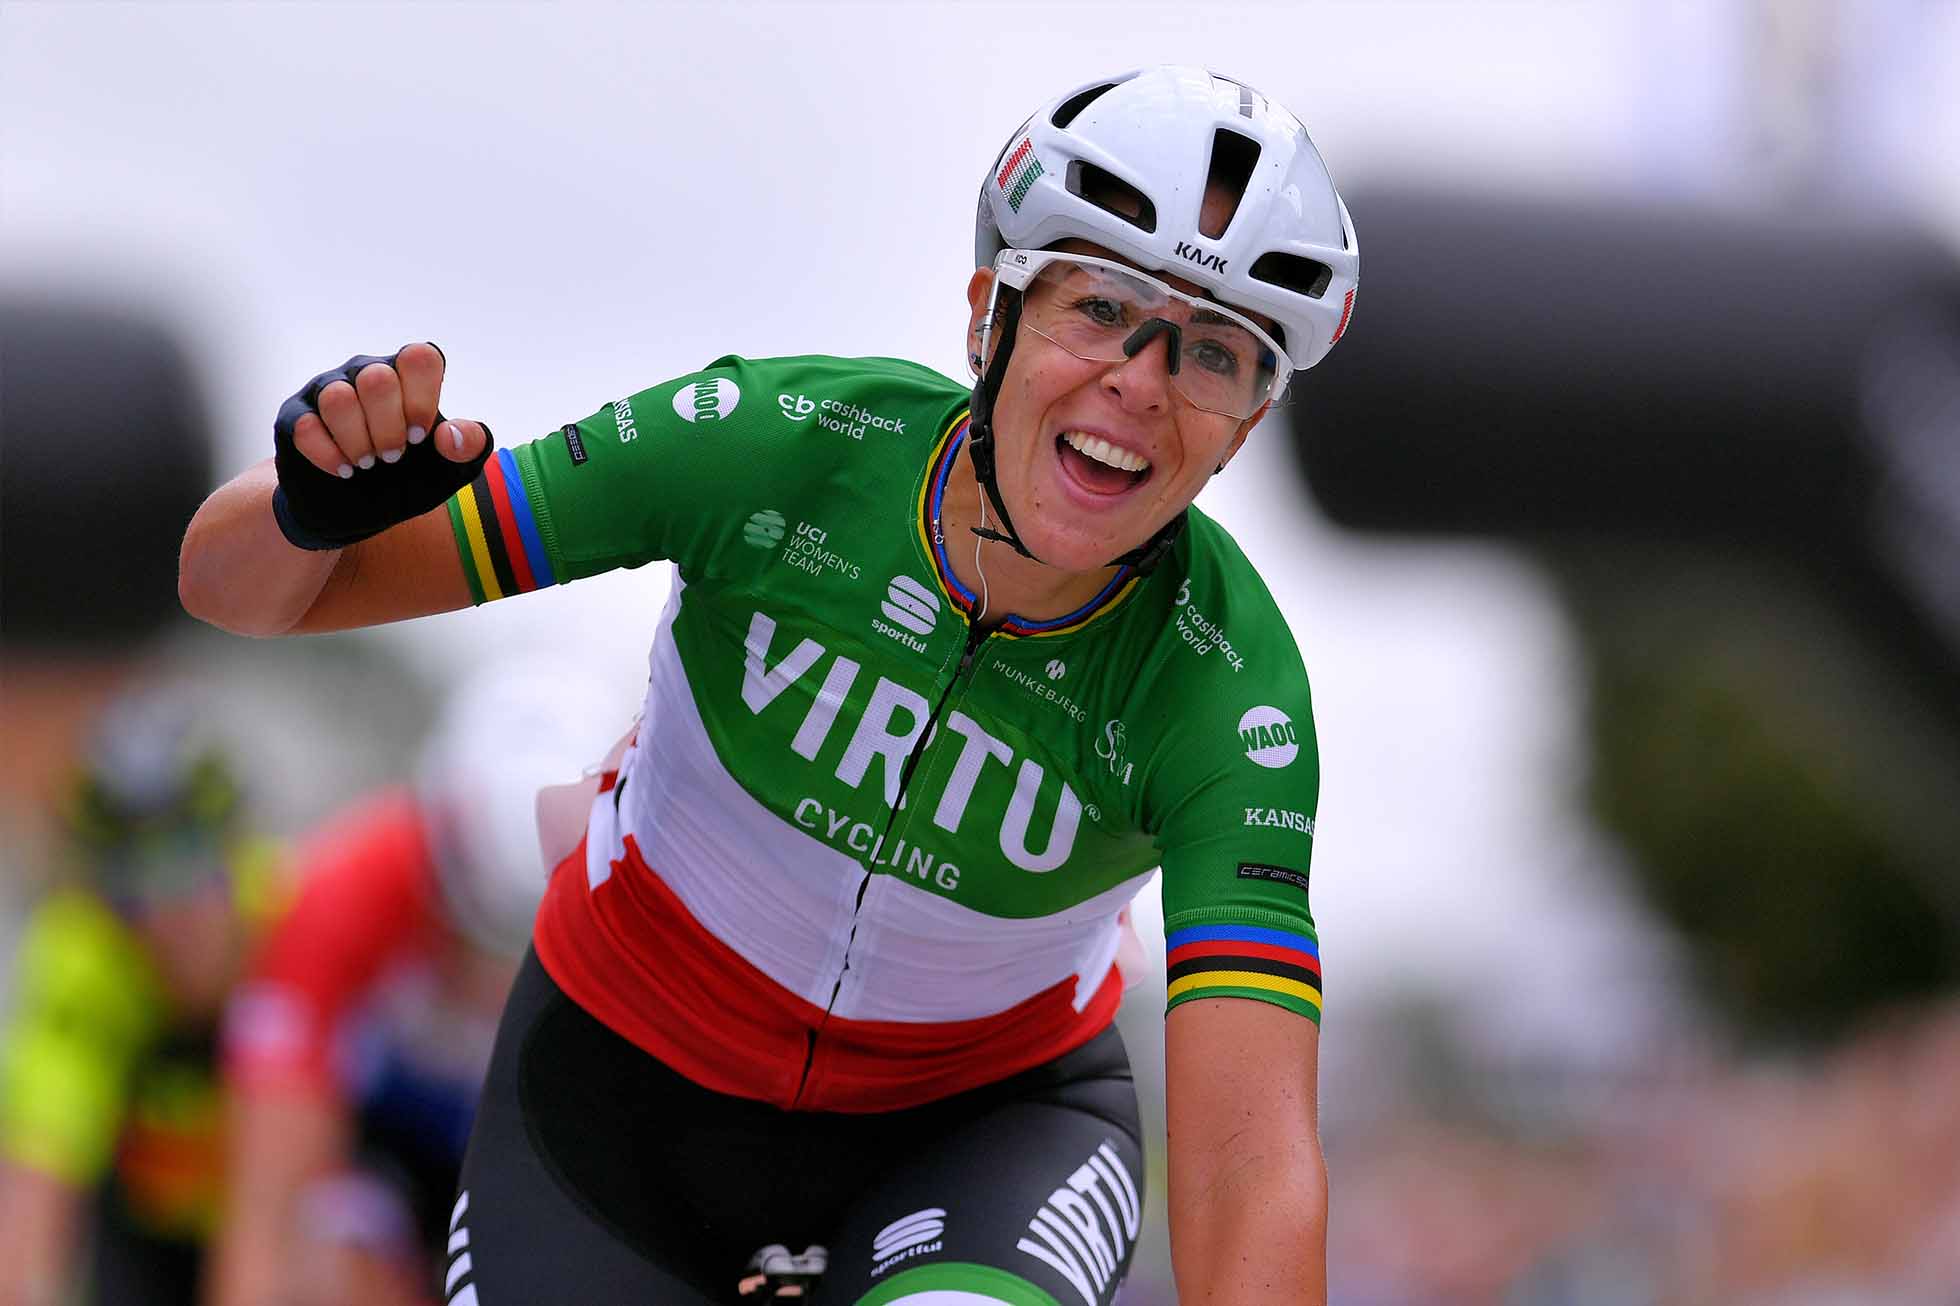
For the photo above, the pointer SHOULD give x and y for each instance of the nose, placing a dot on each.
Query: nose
(1142, 381)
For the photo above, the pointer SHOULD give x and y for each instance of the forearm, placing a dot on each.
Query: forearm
(238, 572)
(39, 1219)
(1253, 1232)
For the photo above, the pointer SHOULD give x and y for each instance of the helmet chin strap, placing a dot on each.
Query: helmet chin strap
(981, 445)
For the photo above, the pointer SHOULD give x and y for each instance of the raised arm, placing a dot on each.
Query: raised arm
(1248, 1182)
(354, 453)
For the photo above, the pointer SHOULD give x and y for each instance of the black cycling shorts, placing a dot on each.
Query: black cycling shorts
(597, 1175)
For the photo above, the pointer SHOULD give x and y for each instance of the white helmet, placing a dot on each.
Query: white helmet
(1153, 140)
(502, 735)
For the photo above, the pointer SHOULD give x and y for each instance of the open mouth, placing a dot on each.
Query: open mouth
(1099, 466)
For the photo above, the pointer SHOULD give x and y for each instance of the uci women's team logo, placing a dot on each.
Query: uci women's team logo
(1269, 738)
(711, 400)
(764, 529)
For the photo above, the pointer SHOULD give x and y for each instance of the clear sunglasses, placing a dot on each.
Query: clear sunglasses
(1102, 311)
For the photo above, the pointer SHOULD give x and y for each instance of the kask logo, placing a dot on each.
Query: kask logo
(908, 603)
(764, 530)
(906, 1237)
(711, 400)
(1268, 736)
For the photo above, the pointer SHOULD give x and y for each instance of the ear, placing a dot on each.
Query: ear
(979, 290)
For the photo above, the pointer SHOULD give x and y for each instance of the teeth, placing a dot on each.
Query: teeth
(1094, 446)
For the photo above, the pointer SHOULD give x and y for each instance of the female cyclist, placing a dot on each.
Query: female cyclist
(946, 673)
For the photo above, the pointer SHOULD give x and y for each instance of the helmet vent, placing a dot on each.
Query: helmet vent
(1112, 194)
(1233, 158)
(1304, 276)
(1065, 112)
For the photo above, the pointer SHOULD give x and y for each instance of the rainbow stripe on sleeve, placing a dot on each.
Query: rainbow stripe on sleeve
(497, 533)
(1245, 961)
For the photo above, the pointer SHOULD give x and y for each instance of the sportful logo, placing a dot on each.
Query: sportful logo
(1269, 738)
(707, 401)
(1018, 171)
(910, 604)
(1192, 254)
(454, 1291)
(1085, 1229)
(908, 1236)
(764, 530)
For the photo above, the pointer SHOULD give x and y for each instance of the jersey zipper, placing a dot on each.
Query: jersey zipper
(975, 637)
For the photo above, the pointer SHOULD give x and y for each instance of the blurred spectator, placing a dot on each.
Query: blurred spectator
(355, 1054)
(109, 1107)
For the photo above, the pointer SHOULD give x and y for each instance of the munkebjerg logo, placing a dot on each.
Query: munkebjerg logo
(764, 529)
(1086, 1228)
(910, 605)
(917, 1234)
(711, 400)
(1057, 669)
(1269, 738)
(1043, 690)
(836, 415)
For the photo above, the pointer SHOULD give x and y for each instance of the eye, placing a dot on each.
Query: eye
(1103, 312)
(1213, 357)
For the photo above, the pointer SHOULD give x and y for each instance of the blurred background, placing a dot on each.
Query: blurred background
(1621, 535)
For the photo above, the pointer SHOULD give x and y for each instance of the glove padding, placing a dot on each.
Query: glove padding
(318, 510)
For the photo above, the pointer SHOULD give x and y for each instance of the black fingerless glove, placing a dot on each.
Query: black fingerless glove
(318, 510)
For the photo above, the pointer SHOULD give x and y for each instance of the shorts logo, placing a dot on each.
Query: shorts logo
(1087, 1227)
(1269, 738)
(796, 407)
(707, 401)
(908, 603)
(764, 530)
(455, 1291)
(917, 1234)
(1057, 669)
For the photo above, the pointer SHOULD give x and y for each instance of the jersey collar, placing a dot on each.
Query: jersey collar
(932, 494)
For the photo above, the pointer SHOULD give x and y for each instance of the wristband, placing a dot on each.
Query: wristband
(318, 510)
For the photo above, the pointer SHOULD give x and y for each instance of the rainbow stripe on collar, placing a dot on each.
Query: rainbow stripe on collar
(932, 495)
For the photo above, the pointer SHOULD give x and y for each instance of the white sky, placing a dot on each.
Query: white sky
(577, 202)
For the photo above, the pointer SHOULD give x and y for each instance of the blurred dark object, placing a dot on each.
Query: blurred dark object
(104, 456)
(1735, 444)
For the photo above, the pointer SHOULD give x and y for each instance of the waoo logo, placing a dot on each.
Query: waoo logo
(711, 400)
(1268, 736)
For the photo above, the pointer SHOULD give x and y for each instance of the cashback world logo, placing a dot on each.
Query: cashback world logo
(847, 419)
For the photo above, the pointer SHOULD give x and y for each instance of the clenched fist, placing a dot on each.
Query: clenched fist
(364, 446)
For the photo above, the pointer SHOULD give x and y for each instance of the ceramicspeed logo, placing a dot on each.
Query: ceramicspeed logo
(711, 400)
(917, 1234)
(1268, 736)
(908, 603)
(765, 529)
